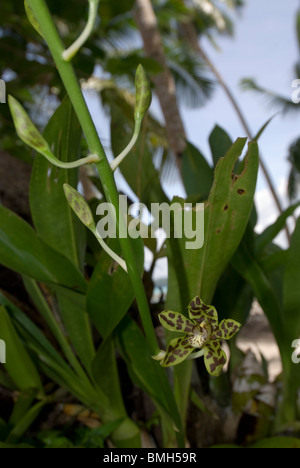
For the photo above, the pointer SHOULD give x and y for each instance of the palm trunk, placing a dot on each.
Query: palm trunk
(163, 81)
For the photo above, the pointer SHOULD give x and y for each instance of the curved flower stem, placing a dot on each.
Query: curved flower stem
(92, 158)
(70, 53)
(117, 161)
(110, 252)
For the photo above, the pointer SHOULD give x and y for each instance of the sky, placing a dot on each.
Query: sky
(264, 47)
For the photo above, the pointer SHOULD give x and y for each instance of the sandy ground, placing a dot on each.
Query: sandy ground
(257, 336)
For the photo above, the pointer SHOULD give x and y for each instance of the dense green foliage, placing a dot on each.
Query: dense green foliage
(85, 335)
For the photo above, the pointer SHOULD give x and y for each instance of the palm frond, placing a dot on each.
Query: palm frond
(215, 13)
(194, 84)
(282, 103)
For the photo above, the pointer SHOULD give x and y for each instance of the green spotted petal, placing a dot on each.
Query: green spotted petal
(200, 312)
(214, 358)
(174, 321)
(226, 330)
(178, 350)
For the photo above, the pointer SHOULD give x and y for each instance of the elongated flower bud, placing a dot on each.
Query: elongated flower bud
(80, 207)
(26, 130)
(30, 135)
(143, 94)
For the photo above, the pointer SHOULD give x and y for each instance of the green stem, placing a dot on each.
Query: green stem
(117, 161)
(43, 17)
(69, 53)
(110, 252)
(92, 158)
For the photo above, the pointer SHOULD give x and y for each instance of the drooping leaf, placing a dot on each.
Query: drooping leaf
(196, 173)
(18, 362)
(72, 307)
(105, 373)
(22, 250)
(220, 143)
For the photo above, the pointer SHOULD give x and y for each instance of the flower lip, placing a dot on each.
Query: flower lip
(200, 335)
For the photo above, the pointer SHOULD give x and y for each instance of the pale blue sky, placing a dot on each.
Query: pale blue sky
(265, 48)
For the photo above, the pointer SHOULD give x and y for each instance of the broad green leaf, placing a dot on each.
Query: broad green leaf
(18, 363)
(72, 308)
(197, 175)
(6, 381)
(32, 18)
(49, 360)
(291, 292)
(47, 199)
(25, 422)
(226, 215)
(146, 372)
(22, 405)
(248, 267)
(110, 292)
(220, 143)
(269, 234)
(109, 296)
(42, 306)
(22, 250)
(277, 442)
(105, 373)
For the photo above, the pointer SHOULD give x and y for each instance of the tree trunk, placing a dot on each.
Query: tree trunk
(164, 81)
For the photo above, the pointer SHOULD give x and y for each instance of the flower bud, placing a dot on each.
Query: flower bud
(143, 94)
